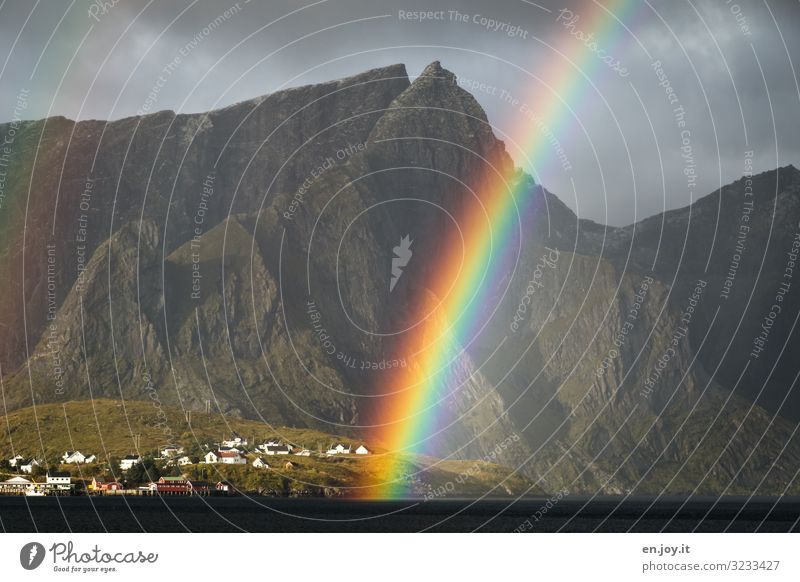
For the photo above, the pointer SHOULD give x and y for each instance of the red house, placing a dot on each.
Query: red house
(179, 486)
(199, 488)
(171, 486)
(100, 484)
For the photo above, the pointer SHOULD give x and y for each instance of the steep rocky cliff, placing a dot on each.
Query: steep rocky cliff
(240, 259)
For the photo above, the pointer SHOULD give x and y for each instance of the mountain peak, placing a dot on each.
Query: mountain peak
(791, 170)
(436, 71)
(436, 112)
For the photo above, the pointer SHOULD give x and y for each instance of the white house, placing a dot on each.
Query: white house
(171, 451)
(268, 444)
(26, 466)
(234, 442)
(278, 449)
(339, 449)
(15, 459)
(362, 450)
(231, 458)
(59, 480)
(260, 463)
(129, 461)
(15, 485)
(91, 459)
(74, 457)
(184, 461)
(303, 453)
(225, 457)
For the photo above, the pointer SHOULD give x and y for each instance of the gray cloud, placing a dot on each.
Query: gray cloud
(105, 67)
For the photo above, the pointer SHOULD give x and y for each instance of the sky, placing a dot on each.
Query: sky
(615, 151)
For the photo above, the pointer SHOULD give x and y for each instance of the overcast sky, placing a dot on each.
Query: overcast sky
(729, 65)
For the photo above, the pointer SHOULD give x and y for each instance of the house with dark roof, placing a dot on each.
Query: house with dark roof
(27, 465)
(171, 486)
(73, 457)
(59, 482)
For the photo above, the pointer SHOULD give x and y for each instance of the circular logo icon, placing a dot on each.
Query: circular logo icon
(31, 555)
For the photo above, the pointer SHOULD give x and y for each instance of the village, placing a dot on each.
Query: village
(173, 471)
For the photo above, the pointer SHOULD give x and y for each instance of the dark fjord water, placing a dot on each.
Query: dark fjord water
(260, 514)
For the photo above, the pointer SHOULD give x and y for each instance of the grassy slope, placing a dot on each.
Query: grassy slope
(104, 428)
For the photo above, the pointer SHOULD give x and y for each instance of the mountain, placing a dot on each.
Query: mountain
(241, 259)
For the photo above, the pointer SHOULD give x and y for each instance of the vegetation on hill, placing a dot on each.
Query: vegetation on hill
(111, 430)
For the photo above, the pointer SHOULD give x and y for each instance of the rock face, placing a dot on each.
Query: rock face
(241, 260)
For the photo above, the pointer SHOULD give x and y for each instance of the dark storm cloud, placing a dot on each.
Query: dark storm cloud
(104, 60)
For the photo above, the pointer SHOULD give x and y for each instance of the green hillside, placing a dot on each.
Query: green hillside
(110, 429)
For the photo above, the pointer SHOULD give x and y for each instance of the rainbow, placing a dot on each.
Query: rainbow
(483, 253)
